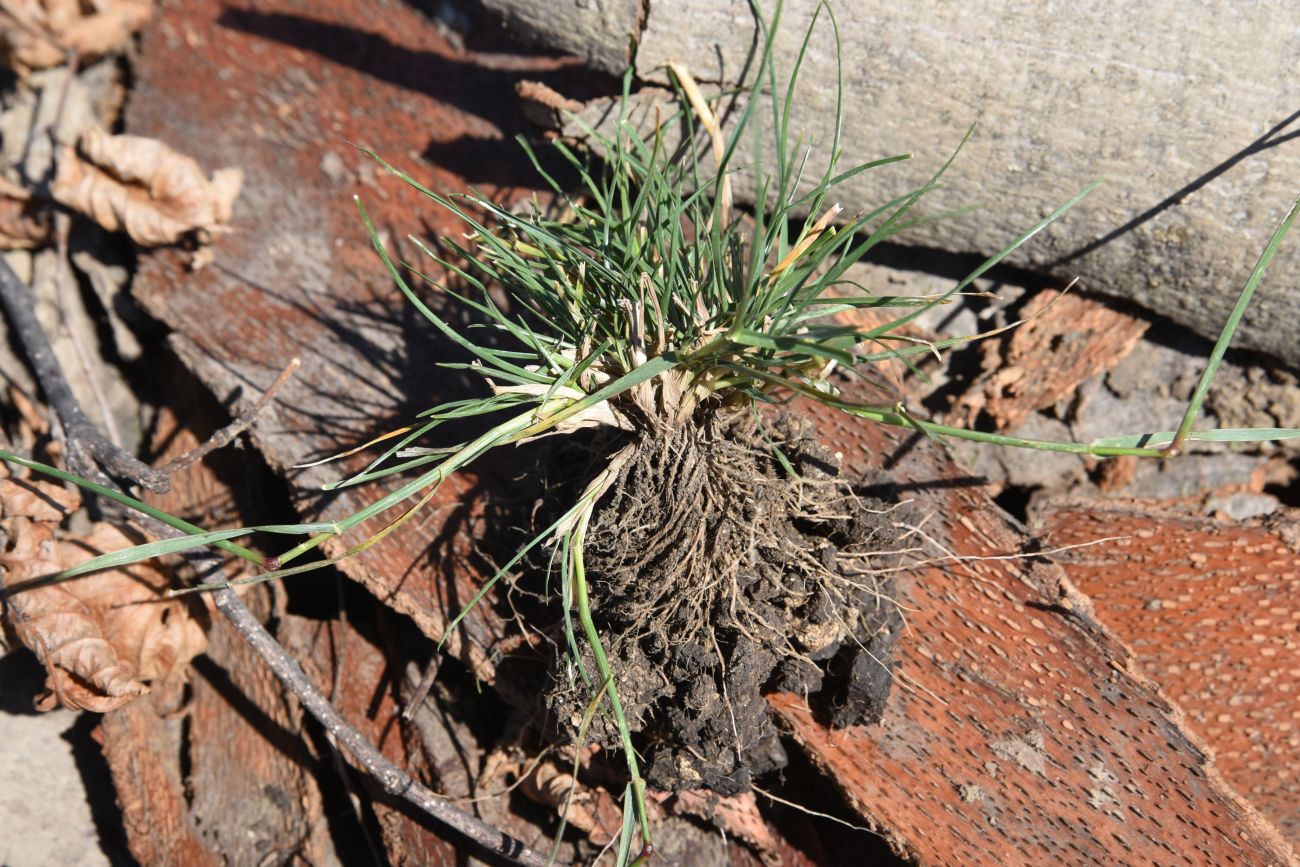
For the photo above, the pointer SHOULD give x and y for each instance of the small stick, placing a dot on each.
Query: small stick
(416, 701)
(228, 433)
(73, 60)
(63, 273)
(390, 777)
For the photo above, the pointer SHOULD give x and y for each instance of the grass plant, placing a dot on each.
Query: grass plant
(650, 300)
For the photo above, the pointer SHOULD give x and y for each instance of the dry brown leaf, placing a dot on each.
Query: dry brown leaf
(592, 811)
(158, 637)
(83, 671)
(102, 636)
(41, 33)
(140, 185)
(40, 501)
(22, 226)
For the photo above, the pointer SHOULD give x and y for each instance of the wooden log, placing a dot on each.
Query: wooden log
(1068, 340)
(143, 754)
(1063, 93)
(313, 85)
(343, 657)
(598, 31)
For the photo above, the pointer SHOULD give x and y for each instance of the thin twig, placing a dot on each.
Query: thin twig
(416, 701)
(392, 779)
(84, 440)
(51, 131)
(228, 433)
(341, 769)
(63, 268)
(811, 812)
(18, 301)
(337, 629)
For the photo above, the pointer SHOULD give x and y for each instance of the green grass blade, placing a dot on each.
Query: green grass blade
(504, 570)
(498, 435)
(892, 416)
(581, 743)
(629, 827)
(746, 337)
(455, 336)
(645, 372)
(161, 548)
(130, 502)
(1221, 347)
(606, 673)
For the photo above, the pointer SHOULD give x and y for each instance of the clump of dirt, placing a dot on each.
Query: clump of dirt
(728, 561)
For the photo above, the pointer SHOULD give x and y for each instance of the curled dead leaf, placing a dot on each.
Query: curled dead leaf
(83, 670)
(142, 186)
(157, 637)
(35, 499)
(593, 811)
(22, 225)
(102, 636)
(37, 34)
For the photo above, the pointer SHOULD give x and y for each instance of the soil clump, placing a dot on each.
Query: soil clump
(727, 561)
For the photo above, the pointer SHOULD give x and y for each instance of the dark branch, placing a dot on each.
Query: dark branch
(393, 779)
